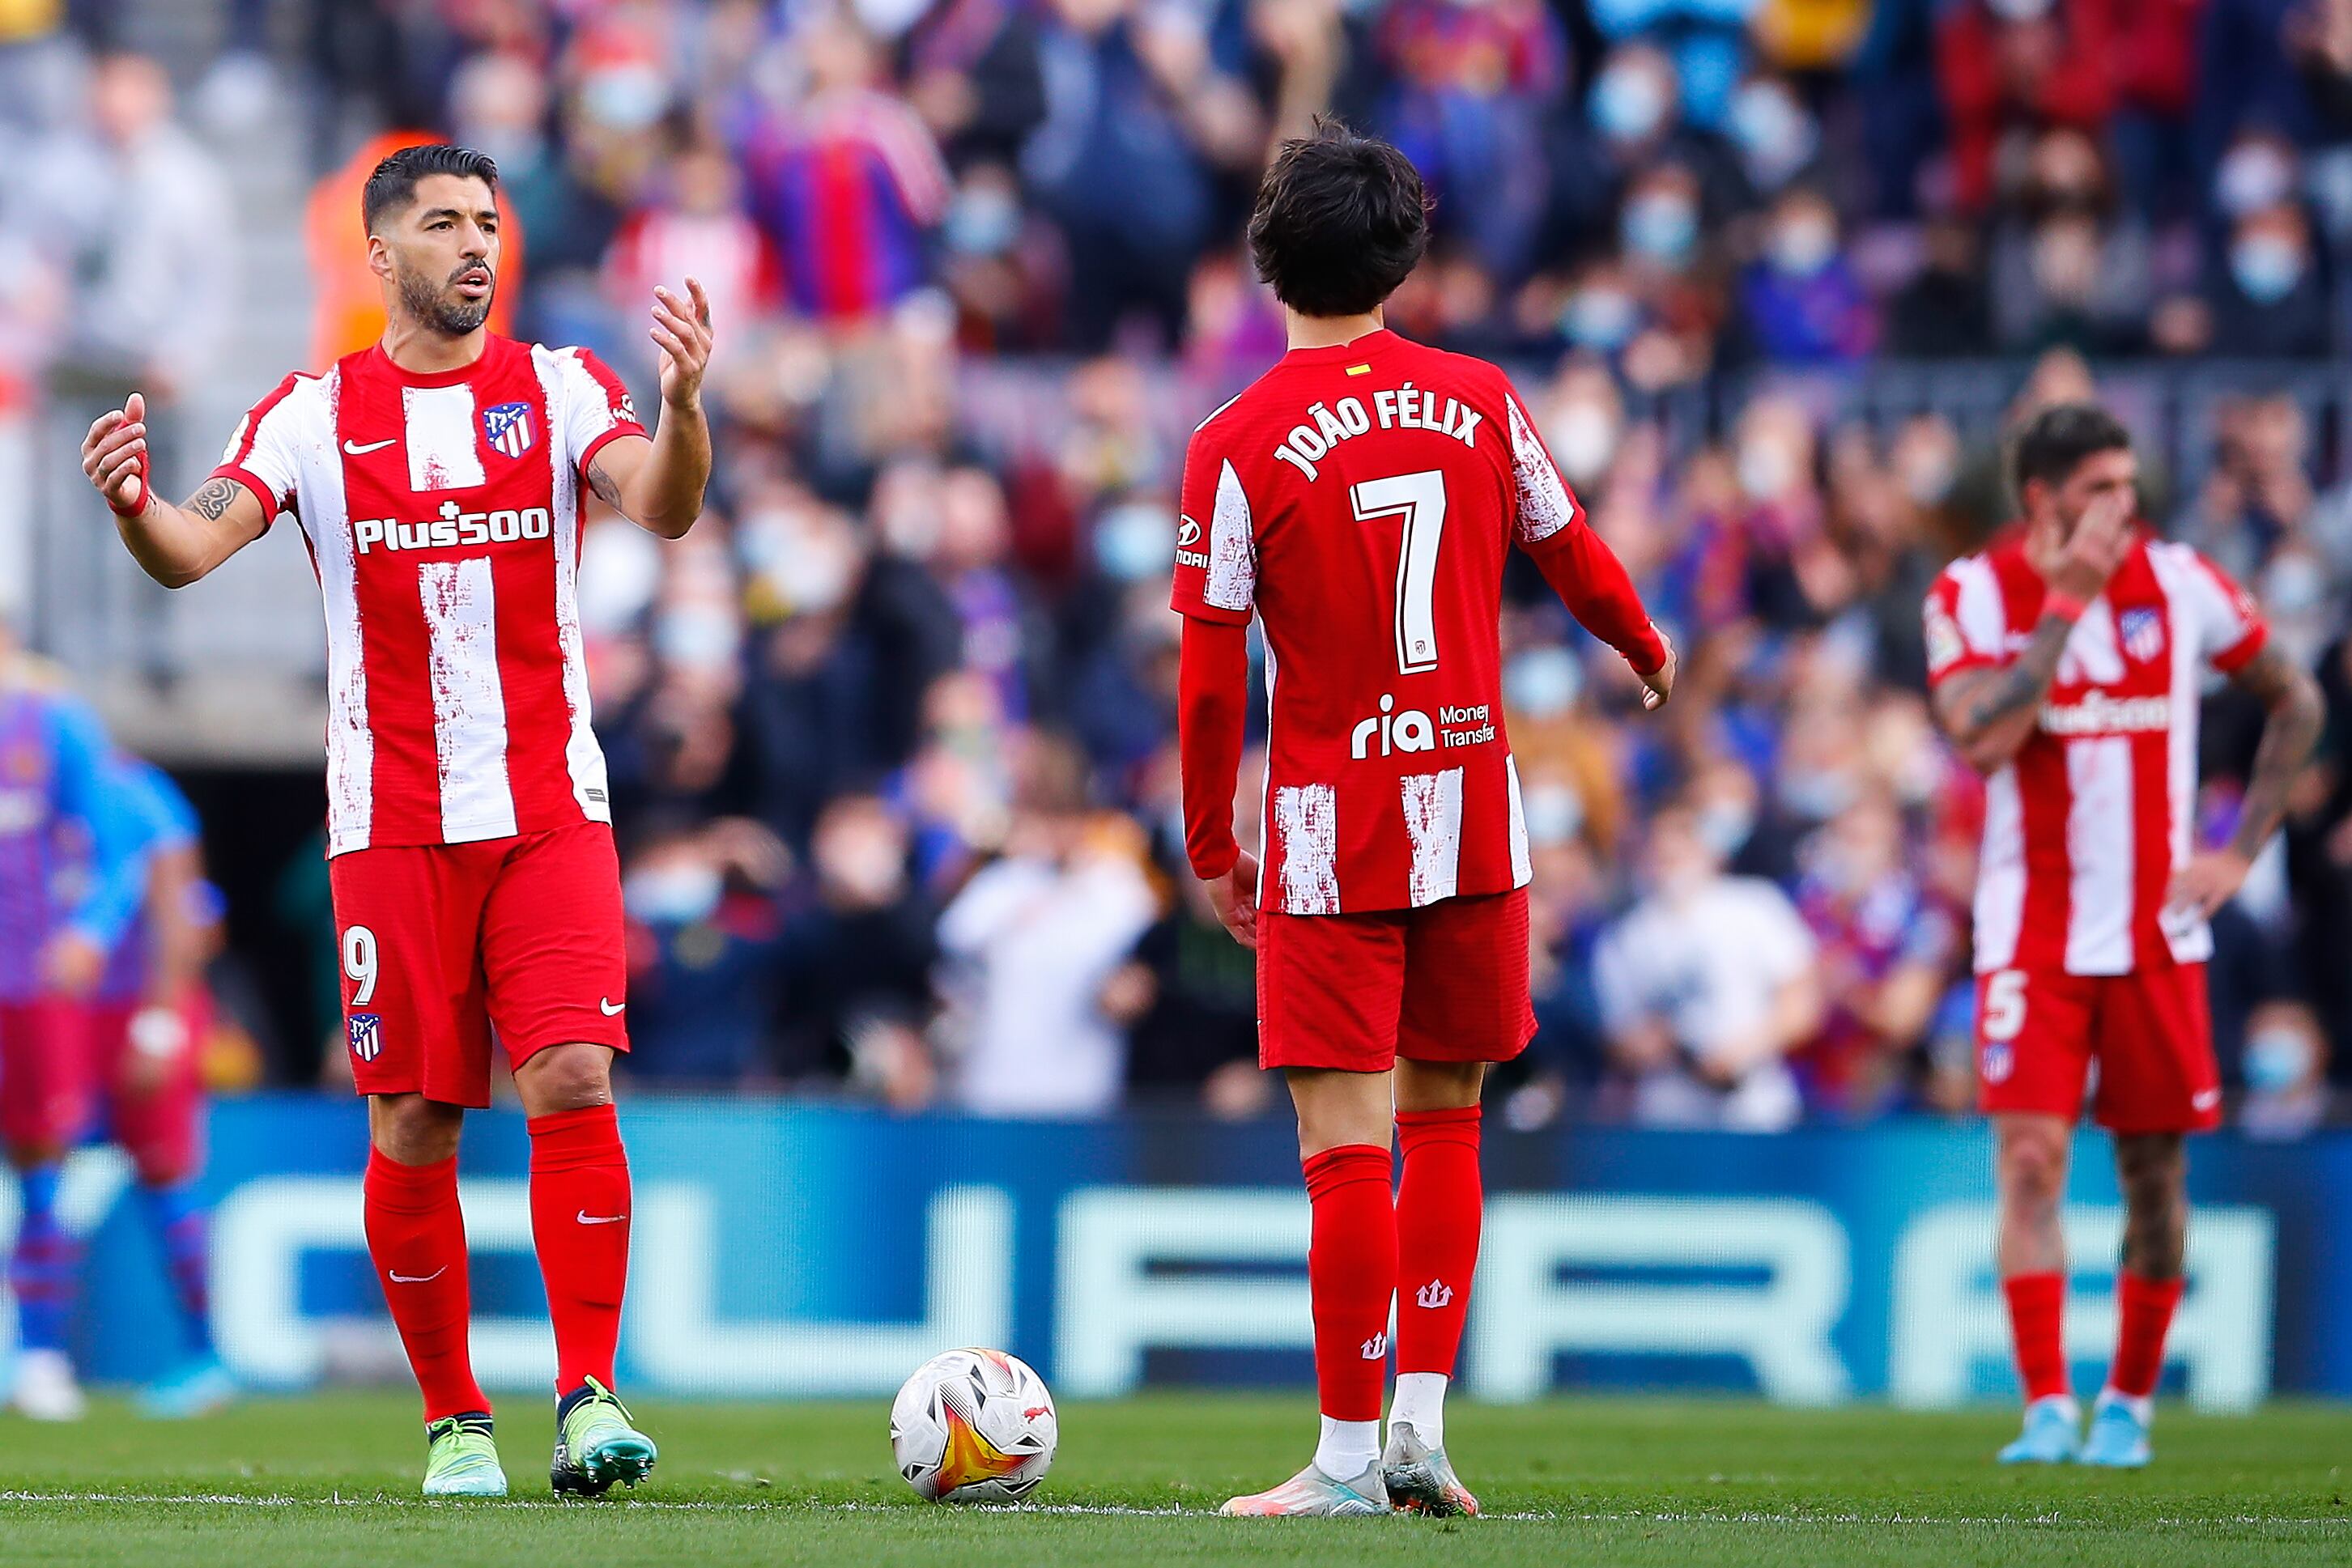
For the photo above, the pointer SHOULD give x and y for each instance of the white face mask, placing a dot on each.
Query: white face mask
(1767, 468)
(1802, 247)
(2276, 1060)
(1584, 438)
(677, 895)
(2253, 176)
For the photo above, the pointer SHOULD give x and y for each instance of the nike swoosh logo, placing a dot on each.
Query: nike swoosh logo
(356, 450)
(613, 1010)
(400, 1279)
(584, 1217)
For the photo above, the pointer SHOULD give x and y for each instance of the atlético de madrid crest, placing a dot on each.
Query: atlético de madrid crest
(507, 426)
(2141, 632)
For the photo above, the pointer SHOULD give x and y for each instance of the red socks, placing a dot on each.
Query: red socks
(2037, 1316)
(1352, 1273)
(580, 1222)
(2143, 1312)
(1439, 1204)
(416, 1236)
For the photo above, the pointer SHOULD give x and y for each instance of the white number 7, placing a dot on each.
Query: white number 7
(1420, 500)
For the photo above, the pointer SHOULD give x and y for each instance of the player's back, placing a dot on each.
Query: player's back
(1362, 499)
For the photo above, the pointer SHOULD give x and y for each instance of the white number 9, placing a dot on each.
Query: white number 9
(2004, 1005)
(359, 962)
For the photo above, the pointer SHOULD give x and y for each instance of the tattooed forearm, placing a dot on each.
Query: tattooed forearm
(2297, 713)
(212, 503)
(2017, 687)
(607, 489)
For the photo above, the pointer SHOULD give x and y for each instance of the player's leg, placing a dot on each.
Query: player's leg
(1465, 1007)
(2158, 1082)
(2033, 1056)
(44, 1103)
(1328, 991)
(2030, 1161)
(156, 1095)
(551, 952)
(419, 1044)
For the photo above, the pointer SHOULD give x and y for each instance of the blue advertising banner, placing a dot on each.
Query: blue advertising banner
(794, 1249)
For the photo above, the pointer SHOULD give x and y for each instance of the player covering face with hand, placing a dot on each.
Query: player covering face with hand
(1362, 499)
(2066, 662)
(440, 478)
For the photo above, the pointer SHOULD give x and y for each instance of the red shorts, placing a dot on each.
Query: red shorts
(44, 1078)
(2038, 1032)
(159, 1126)
(1446, 982)
(441, 943)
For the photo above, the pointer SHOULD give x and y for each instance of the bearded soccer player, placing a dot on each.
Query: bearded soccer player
(437, 478)
(2066, 662)
(1362, 497)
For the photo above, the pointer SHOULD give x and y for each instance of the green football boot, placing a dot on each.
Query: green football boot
(596, 1445)
(461, 1459)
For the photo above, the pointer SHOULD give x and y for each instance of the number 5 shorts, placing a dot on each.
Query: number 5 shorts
(2039, 1030)
(445, 947)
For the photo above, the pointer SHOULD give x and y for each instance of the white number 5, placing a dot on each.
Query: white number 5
(1420, 500)
(359, 962)
(2004, 1005)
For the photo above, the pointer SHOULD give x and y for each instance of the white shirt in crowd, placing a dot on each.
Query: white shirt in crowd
(1706, 964)
(1031, 946)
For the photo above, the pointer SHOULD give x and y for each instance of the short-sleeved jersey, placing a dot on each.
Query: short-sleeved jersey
(1361, 499)
(2085, 826)
(69, 855)
(443, 515)
(164, 820)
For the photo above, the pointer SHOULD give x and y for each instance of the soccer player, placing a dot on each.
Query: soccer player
(54, 804)
(437, 478)
(2065, 662)
(1362, 497)
(147, 1023)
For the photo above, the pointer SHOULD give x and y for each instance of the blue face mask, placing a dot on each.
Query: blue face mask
(1661, 227)
(1602, 320)
(982, 221)
(1627, 104)
(2276, 1060)
(1542, 682)
(2266, 268)
(1135, 542)
(672, 894)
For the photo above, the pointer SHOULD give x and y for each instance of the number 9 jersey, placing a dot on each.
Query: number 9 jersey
(1361, 499)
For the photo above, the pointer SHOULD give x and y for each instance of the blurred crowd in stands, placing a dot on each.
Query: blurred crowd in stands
(891, 732)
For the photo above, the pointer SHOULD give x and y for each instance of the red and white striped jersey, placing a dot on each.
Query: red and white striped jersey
(2085, 826)
(443, 515)
(1363, 500)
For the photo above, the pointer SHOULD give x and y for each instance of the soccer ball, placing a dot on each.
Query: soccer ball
(973, 1426)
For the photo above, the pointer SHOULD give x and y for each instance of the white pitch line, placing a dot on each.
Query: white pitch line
(784, 1500)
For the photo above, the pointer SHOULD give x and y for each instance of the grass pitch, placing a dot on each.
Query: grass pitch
(332, 1480)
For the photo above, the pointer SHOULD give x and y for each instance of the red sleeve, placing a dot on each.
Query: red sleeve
(1211, 694)
(600, 410)
(1216, 541)
(1591, 582)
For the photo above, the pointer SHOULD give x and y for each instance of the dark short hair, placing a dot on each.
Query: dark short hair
(393, 186)
(1340, 219)
(2055, 441)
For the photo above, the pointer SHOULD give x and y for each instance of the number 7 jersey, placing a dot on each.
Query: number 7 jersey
(1361, 499)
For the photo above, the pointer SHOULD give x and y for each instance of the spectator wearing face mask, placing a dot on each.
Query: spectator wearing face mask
(2284, 1070)
(854, 960)
(1633, 120)
(2267, 295)
(1032, 941)
(1886, 949)
(2007, 65)
(1801, 301)
(2069, 264)
(703, 936)
(1706, 984)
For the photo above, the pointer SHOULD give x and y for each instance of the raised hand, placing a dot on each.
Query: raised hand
(114, 455)
(2099, 545)
(683, 334)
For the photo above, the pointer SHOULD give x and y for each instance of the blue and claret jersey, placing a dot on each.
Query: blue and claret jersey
(68, 848)
(164, 821)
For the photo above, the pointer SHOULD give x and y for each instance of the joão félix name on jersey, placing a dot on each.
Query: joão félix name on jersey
(1404, 408)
